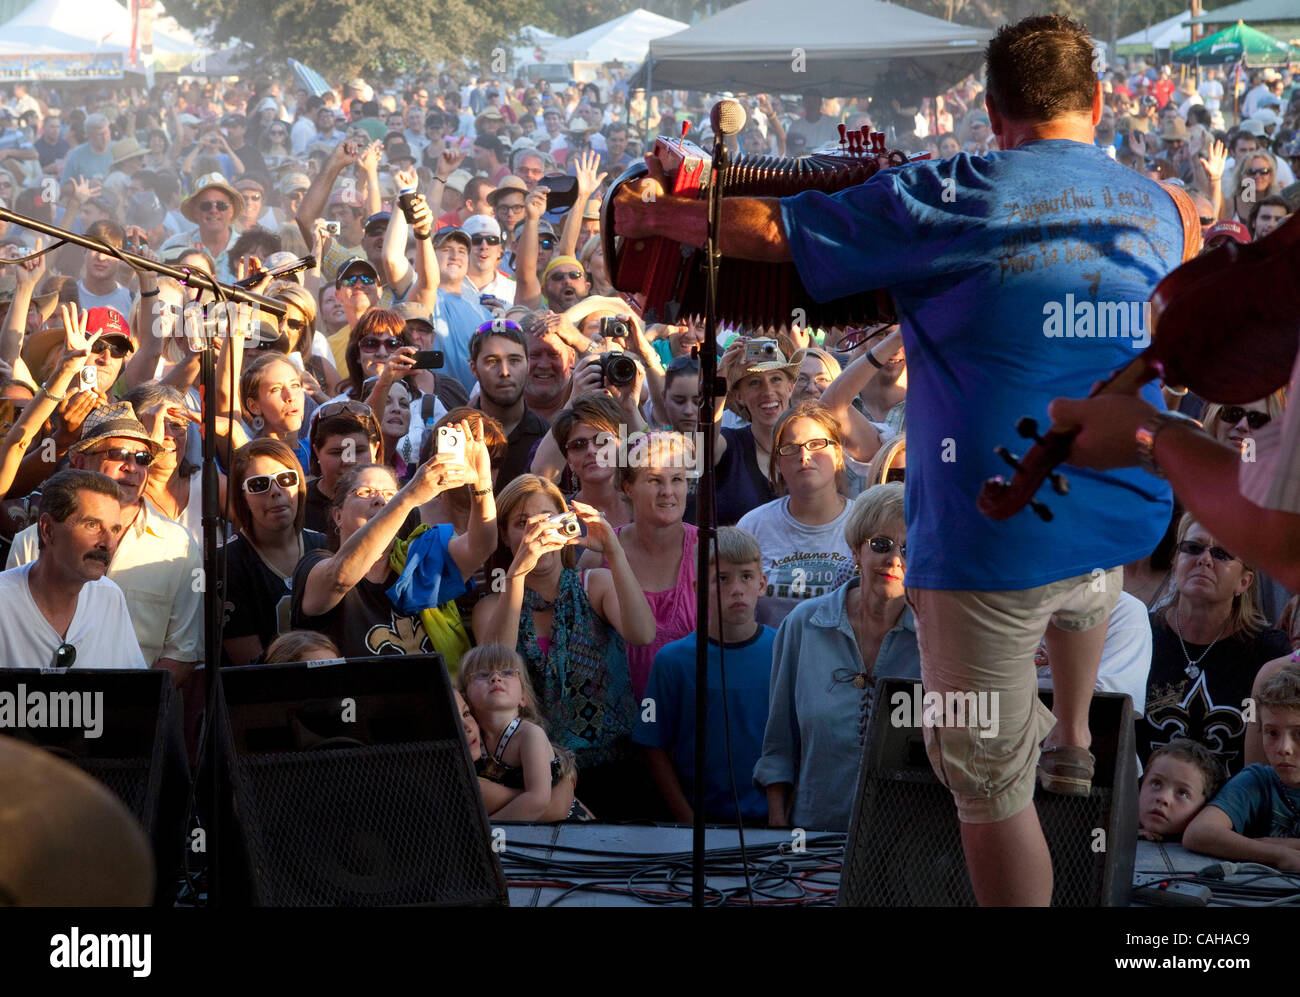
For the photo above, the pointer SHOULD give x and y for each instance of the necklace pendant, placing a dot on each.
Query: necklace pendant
(1193, 672)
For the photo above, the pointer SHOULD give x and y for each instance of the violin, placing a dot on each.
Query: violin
(1225, 324)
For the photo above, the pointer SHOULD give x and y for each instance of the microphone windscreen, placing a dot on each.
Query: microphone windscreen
(727, 117)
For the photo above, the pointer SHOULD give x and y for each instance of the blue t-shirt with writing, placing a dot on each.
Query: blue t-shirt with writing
(1004, 269)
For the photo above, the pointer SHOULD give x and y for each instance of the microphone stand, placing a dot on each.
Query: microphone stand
(706, 510)
(212, 583)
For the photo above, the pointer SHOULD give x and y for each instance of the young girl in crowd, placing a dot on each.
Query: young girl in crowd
(515, 749)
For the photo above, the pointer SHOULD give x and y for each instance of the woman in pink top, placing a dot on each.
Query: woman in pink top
(653, 474)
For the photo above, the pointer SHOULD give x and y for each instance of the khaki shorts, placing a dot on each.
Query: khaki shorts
(985, 642)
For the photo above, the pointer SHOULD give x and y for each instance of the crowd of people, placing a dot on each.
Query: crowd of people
(460, 438)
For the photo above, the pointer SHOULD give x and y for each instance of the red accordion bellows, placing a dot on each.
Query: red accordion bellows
(669, 278)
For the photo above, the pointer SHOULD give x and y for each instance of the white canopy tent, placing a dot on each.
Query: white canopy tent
(98, 30)
(626, 39)
(1166, 34)
(532, 42)
(831, 47)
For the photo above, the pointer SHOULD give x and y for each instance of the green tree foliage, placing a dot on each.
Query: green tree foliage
(342, 38)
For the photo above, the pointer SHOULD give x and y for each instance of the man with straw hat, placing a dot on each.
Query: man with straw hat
(213, 208)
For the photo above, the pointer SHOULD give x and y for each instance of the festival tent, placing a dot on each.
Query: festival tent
(1254, 11)
(532, 45)
(97, 32)
(831, 47)
(624, 39)
(1232, 44)
(1166, 34)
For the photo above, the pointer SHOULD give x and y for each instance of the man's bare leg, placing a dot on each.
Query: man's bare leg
(1074, 657)
(1008, 861)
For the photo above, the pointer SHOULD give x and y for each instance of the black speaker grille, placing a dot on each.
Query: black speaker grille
(375, 826)
(126, 777)
(915, 859)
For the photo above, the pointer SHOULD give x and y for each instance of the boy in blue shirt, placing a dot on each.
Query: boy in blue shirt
(666, 724)
(1256, 816)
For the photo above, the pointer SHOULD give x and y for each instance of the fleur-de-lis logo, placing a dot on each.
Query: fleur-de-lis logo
(401, 635)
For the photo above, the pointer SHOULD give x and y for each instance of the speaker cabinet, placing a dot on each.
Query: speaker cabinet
(904, 846)
(138, 751)
(349, 784)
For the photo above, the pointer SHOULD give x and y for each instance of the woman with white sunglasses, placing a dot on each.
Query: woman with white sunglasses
(269, 501)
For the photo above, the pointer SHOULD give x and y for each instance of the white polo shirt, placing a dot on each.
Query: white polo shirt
(158, 567)
(101, 629)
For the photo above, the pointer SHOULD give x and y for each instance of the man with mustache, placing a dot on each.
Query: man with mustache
(62, 609)
(154, 560)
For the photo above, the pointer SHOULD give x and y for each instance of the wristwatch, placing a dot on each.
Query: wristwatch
(1146, 438)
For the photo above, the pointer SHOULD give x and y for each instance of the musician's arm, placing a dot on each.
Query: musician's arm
(1202, 471)
(529, 289)
(752, 228)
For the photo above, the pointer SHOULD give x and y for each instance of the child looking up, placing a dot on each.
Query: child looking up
(1180, 778)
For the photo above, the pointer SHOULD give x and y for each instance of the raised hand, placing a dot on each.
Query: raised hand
(535, 203)
(540, 538)
(1214, 161)
(600, 536)
(30, 272)
(451, 158)
(368, 158)
(406, 179)
(86, 189)
(584, 169)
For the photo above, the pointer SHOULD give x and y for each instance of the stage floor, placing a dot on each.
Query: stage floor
(631, 865)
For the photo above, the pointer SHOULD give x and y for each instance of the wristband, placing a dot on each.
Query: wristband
(425, 237)
(51, 395)
(149, 294)
(871, 359)
(1146, 438)
(480, 492)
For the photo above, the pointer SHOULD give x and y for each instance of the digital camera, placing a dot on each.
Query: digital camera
(566, 525)
(617, 368)
(762, 351)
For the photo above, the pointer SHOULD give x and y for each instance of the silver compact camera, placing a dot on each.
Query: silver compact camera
(762, 351)
(89, 378)
(451, 443)
(565, 525)
(332, 229)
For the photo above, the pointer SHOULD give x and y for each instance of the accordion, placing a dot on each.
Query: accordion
(668, 279)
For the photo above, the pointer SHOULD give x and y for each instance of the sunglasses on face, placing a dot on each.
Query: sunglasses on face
(1261, 172)
(1233, 414)
(567, 274)
(488, 240)
(580, 444)
(295, 324)
(252, 195)
(260, 483)
(1194, 549)
(371, 344)
(219, 206)
(884, 545)
(812, 446)
(546, 242)
(116, 349)
(142, 457)
(367, 492)
(357, 279)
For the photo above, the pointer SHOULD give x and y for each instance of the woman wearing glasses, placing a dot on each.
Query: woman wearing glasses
(828, 656)
(1254, 179)
(274, 144)
(269, 502)
(358, 597)
(805, 554)
(1209, 640)
(587, 433)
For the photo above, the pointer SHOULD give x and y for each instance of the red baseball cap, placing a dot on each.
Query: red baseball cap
(109, 322)
(1222, 232)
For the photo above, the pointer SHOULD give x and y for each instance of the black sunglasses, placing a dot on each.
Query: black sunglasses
(883, 545)
(371, 344)
(65, 656)
(214, 206)
(116, 349)
(582, 443)
(491, 240)
(346, 405)
(142, 457)
(689, 362)
(546, 242)
(260, 483)
(1194, 549)
(1233, 414)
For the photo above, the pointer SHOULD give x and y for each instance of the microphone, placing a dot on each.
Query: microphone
(727, 118)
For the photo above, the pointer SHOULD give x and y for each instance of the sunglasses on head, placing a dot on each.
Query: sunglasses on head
(683, 363)
(353, 279)
(115, 348)
(1233, 414)
(884, 545)
(371, 344)
(260, 483)
(214, 205)
(490, 240)
(121, 455)
(1194, 549)
(345, 405)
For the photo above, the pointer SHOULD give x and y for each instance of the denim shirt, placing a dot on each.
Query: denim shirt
(817, 721)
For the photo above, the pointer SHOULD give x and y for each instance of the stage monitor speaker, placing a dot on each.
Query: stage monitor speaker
(904, 846)
(350, 784)
(130, 740)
